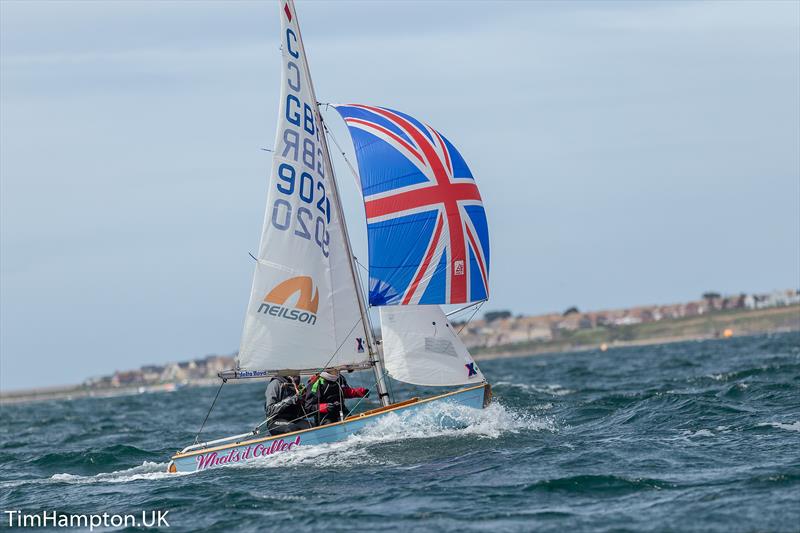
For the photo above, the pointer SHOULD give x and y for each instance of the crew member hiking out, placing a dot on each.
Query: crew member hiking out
(325, 396)
(284, 405)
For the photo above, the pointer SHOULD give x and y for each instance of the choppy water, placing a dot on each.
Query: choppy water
(700, 436)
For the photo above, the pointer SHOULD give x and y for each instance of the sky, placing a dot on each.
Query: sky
(627, 153)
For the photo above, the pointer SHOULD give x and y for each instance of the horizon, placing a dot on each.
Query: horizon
(634, 153)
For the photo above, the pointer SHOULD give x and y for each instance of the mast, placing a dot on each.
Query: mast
(374, 356)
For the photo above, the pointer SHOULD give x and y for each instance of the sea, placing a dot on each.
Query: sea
(691, 436)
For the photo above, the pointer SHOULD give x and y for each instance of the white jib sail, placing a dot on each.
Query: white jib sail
(421, 347)
(303, 303)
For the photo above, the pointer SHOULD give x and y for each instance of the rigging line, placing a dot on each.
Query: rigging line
(268, 419)
(366, 269)
(300, 393)
(451, 313)
(375, 384)
(364, 286)
(344, 156)
(304, 416)
(470, 318)
(197, 437)
(365, 291)
(342, 344)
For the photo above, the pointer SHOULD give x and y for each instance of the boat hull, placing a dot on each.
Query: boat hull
(249, 448)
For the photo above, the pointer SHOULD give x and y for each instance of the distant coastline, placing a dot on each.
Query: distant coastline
(715, 325)
(501, 335)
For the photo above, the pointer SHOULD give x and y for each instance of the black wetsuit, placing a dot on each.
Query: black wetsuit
(284, 407)
(323, 395)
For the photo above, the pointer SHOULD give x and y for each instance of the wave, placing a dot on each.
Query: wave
(604, 484)
(762, 371)
(147, 470)
(93, 460)
(794, 426)
(553, 389)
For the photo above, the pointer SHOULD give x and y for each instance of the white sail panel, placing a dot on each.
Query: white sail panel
(303, 304)
(420, 347)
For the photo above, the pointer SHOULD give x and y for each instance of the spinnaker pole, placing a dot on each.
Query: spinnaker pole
(374, 355)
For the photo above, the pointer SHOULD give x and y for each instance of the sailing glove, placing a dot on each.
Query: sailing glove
(332, 407)
(355, 392)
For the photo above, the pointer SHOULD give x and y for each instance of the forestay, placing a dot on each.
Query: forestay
(428, 237)
(303, 303)
(420, 347)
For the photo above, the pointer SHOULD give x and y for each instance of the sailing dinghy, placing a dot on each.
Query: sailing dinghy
(428, 246)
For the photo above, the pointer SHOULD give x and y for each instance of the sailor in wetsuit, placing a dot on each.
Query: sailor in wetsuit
(284, 405)
(325, 395)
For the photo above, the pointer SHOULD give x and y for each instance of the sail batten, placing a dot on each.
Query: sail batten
(304, 310)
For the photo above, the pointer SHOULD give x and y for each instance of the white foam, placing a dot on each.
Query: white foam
(19, 482)
(794, 426)
(147, 471)
(446, 420)
(453, 421)
(553, 389)
(689, 434)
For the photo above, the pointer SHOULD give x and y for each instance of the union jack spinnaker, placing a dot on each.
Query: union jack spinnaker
(426, 225)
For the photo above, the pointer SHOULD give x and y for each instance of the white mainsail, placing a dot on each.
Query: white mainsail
(420, 347)
(304, 310)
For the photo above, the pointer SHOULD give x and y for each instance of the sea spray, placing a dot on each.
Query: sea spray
(445, 422)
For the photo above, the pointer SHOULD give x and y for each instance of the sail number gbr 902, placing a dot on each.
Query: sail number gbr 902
(309, 221)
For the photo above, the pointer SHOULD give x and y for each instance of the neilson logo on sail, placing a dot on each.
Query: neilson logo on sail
(304, 310)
